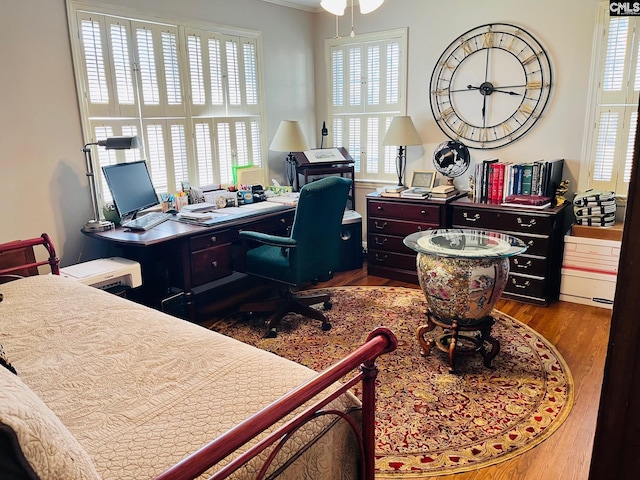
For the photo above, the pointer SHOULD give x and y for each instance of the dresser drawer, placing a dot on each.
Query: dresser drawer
(535, 266)
(396, 227)
(392, 259)
(405, 211)
(388, 242)
(526, 285)
(210, 264)
(524, 222)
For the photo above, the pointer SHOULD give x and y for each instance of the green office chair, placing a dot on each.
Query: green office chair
(309, 254)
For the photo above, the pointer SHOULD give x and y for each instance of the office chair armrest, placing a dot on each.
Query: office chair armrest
(267, 239)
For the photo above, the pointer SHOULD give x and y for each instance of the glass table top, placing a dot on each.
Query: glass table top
(465, 243)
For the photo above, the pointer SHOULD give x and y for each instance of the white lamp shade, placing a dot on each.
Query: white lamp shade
(401, 132)
(289, 138)
(334, 6)
(368, 6)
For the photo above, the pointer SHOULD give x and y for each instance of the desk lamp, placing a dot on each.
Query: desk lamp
(401, 133)
(111, 143)
(289, 138)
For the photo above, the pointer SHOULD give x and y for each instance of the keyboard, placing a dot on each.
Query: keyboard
(147, 221)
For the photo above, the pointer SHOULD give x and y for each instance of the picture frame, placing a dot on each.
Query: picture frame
(423, 178)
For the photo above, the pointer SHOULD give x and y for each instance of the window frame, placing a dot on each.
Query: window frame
(252, 113)
(372, 122)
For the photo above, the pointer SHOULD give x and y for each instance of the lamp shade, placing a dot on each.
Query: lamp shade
(401, 132)
(120, 143)
(368, 6)
(334, 6)
(289, 138)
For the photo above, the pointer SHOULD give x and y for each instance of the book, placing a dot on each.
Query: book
(523, 205)
(484, 181)
(531, 200)
(395, 189)
(527, 178)
(390, 194)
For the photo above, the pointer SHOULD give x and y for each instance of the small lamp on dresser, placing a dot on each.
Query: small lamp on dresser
(401, 133)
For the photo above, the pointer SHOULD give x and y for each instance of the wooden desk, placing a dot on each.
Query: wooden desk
(181, 260)
(336, 167)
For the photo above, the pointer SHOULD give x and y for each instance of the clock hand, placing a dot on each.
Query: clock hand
(468, 89)
(509, 93)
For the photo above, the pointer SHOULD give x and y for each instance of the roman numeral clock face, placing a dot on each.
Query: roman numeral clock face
(490, 86)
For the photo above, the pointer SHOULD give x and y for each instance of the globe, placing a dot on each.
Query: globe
(451, 158)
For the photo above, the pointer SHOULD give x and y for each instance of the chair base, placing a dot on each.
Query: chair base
(288, 302)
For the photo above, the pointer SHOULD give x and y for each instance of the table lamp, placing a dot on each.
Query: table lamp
(401, 133)
(289, 138)
(112, 143)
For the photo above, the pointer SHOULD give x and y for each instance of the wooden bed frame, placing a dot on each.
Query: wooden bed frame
(17, 259)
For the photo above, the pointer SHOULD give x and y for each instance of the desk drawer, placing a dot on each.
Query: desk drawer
(405, 211)
(396, 227)
(200, 242)
(525, 222)
(210, 264)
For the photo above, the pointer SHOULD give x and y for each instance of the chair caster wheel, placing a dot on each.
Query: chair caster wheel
(327, 306)
(271, 333)
(326, 327)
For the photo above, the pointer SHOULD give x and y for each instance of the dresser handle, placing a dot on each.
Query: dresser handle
(214, 264)
(213, 239)
(378, 242)
(523, 266)
(378, 259)
(475, 218)
(531, 223)
(380, 208)
(526, 283)
(423, 212)
(380, 227)
(282, 220)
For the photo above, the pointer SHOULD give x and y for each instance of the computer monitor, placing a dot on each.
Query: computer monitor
(131, 187)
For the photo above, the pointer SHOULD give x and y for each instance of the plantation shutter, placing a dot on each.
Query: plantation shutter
(617, 105)
(367, 76)
(191, 95)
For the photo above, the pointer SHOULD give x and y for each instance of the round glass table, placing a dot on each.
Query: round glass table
(462, 273)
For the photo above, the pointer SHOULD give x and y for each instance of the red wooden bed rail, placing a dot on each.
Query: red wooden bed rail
(379, 342)
(45, 240)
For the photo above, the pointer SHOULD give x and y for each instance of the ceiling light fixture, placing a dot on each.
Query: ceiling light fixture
(337, 7)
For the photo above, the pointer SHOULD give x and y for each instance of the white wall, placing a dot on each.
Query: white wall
(564, 28)
(42, 179)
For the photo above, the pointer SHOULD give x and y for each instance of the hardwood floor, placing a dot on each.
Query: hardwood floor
(580, 333)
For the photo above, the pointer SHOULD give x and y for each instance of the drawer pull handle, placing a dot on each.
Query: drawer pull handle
(282, 220)
(213, 239)
(523, 266)
(380, 208)
(475, 218)
(380, 242)
(379, 226)
(214, 264)
(525, 285)
(531, 223)
(423, 212)
(380, 258)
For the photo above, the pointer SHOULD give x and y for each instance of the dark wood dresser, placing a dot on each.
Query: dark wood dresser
(535, 275)
(389, 220)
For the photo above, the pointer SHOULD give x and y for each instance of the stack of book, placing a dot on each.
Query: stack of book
(393, 192)
(416, 192)
(527, 201)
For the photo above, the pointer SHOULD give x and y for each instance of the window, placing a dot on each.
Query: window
(617, 86)
(191, 95)
(367, 76)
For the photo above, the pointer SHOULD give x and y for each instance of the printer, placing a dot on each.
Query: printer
(106, 273)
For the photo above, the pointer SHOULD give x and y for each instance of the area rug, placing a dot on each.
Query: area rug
(431, 422)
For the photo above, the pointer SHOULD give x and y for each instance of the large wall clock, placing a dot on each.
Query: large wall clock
(490, 86)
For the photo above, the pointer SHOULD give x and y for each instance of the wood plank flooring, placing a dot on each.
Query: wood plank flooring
(580, 333)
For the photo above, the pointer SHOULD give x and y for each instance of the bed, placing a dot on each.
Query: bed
(108, 388)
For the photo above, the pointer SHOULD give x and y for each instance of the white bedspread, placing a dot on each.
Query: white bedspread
(139, 389)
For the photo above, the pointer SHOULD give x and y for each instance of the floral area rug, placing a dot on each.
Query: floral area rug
(431, 422)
